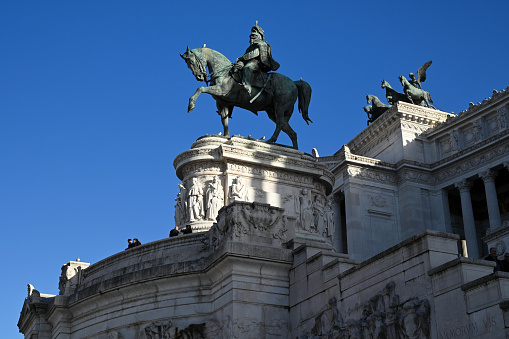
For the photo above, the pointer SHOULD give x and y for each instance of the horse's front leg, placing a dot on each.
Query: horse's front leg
(224, 112)
(193, 99)
(213, 90)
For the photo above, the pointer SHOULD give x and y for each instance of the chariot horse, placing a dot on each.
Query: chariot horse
(276, 94)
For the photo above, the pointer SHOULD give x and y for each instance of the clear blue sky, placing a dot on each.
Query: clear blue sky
(93, 99)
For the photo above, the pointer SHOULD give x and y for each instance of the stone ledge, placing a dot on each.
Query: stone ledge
(399, 246)
(484, 280)
(458, 261)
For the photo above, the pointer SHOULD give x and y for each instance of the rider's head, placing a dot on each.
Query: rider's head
(412, 76)
(256, 33)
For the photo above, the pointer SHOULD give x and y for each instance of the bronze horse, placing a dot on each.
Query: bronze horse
(276, 95)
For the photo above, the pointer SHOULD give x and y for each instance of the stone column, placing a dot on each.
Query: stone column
(468, 217)
(491, 198)
(338, 225)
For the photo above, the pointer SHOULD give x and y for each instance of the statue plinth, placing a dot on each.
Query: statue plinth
(217, 171)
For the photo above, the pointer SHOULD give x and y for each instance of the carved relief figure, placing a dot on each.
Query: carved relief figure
(158, 330)
(329, 219)
(181, 206)
(319, 213)
(307, 221)
(195, 201)
(477, 129)
(238, 190)
(502, 115)
(215, 198)
(226, 328)
(455, 137)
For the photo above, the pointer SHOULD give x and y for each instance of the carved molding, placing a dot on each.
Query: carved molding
(195, 153)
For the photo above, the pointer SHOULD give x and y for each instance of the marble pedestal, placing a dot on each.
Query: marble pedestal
(218, 170)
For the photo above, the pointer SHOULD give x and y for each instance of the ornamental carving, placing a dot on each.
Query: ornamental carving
(71, 277)
(488, 175)
(464, 185)
(377, 201)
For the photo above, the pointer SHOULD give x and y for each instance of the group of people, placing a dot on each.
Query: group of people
(132, 243)
(501, 265)
(174, 232)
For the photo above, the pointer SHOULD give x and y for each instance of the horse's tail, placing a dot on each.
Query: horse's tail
(304, 98)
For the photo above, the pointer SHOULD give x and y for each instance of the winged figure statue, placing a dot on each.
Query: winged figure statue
(421, 75)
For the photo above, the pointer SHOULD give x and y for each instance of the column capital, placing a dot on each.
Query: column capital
(488, 175)
(464, 185)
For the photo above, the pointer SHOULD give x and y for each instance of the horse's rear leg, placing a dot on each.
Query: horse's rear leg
(291, 133)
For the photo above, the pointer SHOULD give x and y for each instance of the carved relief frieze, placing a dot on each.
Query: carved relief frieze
(471, 149)
(371, 175)
(243, 218)
(158, 330)
(415, 177)
(381, 316)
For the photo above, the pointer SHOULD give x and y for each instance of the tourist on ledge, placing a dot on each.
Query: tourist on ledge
(129, 244)
(174, 232)
(493, 257)
(187, 230)
(136, 242)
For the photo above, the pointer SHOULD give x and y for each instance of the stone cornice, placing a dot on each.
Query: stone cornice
(400, 116)
(220, 150)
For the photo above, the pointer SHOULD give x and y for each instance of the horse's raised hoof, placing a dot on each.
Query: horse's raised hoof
(190, 107)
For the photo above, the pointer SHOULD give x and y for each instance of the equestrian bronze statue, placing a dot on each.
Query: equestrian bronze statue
(249, 84)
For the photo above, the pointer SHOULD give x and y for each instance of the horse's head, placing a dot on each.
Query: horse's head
(369, 98)
(403, 80)
(195, 63)
(385, 84)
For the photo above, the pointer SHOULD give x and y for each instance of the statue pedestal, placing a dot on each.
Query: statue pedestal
(217, 171)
